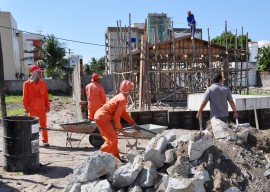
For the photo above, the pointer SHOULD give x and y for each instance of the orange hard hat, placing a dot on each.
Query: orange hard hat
(96, 76)
(35, 68)
(126, 86)
(189, 12)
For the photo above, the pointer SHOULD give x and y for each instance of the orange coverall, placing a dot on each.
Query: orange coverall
(36, 101)
(114, 109)
(96, 98)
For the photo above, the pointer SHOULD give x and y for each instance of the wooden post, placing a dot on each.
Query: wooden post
(247, 59)
(209, 59)
(256, 117)
(226, 67)
(236, 64)
(2, 82)
(241, 67)
(174, 68)
(142, 78)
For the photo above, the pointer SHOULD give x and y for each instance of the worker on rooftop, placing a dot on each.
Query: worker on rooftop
(191, 22)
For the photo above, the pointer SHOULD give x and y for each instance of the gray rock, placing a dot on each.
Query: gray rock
(148, 174)
(198, 145)
(94, 166)
(180, 168)
(125, 175)
(169, 156)
(99, 185)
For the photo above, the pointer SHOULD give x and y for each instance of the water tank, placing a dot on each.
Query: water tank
(253, 51)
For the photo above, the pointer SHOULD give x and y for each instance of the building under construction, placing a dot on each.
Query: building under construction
(167, 64)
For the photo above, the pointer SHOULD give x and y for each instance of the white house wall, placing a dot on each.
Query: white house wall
(10, 46)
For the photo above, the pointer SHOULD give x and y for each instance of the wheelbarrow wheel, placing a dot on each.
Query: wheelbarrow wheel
(96, 139)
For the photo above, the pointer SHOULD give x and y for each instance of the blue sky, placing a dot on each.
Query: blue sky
(87, 20)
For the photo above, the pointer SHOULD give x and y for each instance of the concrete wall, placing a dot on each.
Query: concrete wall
(106, 82)
(264, 79)
(52, 85)
(242, 102)
(78, 92)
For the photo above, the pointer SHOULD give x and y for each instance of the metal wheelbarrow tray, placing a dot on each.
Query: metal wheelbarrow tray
(148, 131)
(84, 128)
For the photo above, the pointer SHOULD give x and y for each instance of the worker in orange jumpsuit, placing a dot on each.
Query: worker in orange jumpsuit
(95, 95)
(114, 109)
(36, 101)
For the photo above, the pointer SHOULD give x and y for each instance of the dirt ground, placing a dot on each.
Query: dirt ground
(57, 161)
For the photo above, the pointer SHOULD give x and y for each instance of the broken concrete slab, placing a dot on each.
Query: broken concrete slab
(155, 156)
(148, 174)
(98, 185)
(199, 144)
(125, 175)
(170, 184)
(93, 167)
(180, 168)
(169, 156)
(220, 129)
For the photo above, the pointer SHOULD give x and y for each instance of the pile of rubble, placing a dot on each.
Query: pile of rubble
(221, 158)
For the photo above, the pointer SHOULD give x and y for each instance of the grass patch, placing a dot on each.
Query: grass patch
(15, 112)
(65, 99)
(13, 99)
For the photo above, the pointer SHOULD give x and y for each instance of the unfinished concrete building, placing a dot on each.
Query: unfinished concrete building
(166, 67)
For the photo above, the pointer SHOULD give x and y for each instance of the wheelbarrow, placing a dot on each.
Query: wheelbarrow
(84, 128)
(147, 131)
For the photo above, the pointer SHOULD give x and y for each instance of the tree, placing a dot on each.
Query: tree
(263, 59)
(87, 69)
(52, 53)
(221, 40)
(95, 66)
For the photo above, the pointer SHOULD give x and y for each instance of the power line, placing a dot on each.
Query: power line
(63, 39)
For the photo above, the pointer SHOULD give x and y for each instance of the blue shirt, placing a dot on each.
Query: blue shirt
(218, 95)
(191, 19)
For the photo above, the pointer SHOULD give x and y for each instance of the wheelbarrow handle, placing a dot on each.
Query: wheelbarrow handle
(140, 128)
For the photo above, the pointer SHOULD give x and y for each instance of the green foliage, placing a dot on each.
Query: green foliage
(87, 69)
(221, 40)
(95, 66)
(263, 59)
(50, 55)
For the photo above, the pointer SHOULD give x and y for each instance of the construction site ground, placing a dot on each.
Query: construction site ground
(57, 161)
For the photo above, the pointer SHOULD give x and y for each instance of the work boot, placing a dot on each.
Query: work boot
(46, 144)
(123, 160)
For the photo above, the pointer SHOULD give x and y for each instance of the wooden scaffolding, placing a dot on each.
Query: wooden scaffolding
(167, 71)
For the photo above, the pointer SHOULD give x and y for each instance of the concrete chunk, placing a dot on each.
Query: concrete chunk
(220, 129)
(100, 186)
(199, 144)
(155, 156)
(180, 168)
(94, 166)
(125, 175)
(148, 174)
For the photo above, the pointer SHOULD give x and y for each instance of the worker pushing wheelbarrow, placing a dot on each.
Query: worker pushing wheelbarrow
(113, 110)
(146, 131)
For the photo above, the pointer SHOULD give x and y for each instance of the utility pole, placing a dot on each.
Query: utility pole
(2, 82)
